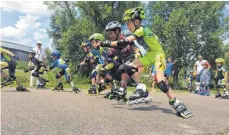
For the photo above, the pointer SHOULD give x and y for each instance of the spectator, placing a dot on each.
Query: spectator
(40, 55)
(197, 68)
(169, 67)
(153, 74)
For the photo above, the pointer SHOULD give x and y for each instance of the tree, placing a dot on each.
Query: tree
(48, 53)
(187, 29)
(89, 17)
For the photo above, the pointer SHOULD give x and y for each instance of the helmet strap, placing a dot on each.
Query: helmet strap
(117, 34)
(135, 26)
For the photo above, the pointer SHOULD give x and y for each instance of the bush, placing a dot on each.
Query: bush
(22, 65)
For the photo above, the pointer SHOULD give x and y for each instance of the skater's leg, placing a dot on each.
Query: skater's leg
(162, 85)
(12, 68)
(31, 79)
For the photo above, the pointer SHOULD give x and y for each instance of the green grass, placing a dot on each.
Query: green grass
(83, 81)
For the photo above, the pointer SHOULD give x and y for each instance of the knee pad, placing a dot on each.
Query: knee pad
(107, 81)
(93, 74)
(130, 70)
(58, 76)
(103, 73)
(122, 68)
(13, 77)
(163, 87)
(35, 74)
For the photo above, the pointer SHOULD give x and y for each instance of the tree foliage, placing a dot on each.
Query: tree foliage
(73, 22)
(185, 29)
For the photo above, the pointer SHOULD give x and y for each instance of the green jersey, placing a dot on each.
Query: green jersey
(147, 41)
(4, 56)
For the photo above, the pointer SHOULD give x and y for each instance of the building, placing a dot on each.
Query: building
(19, 50)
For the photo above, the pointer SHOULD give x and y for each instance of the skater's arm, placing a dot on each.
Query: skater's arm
(118, 43)
(8, 52)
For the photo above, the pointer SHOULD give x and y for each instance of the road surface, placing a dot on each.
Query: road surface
(63, 113)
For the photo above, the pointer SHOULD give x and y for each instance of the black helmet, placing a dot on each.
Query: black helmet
(113, 26)
(32, 52)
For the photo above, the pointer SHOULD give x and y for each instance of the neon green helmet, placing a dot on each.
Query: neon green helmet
(219, 60)
(86, 43)
(97, 36)
(134, 13)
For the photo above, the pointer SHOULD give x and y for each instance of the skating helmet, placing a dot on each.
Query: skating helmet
(219, 60)
(86, 43)
(111, 26)
(97, 36)
(133, 13)
(32, 52)
(56, 54)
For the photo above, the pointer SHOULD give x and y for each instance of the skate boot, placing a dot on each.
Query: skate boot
(225, 95)
(196, 91)
(21, 88)
(101, 87)
(217, 95)
(139, 96)
(180, 108)
(6, 82)
(201, 92)
(75, 90)
(109, 94)
(207, 93)
(121, 91)
(59, 87)
(41, 86)
(92, 90)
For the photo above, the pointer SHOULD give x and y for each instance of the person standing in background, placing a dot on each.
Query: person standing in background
(40, 55)
(197, 68)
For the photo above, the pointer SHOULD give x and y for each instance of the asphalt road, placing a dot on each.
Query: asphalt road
(63, 113)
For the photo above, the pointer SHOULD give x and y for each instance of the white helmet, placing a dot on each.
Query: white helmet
(113, 26)
(39, 42)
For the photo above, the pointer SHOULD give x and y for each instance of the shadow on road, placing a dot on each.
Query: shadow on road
(14, 91)
(148, 108)
(152, 108)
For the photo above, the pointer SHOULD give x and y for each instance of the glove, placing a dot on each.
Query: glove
(106, 43)
(26, 70)
(87, 60)
(123, 42)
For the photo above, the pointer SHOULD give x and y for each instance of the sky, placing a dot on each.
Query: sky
(26, 22)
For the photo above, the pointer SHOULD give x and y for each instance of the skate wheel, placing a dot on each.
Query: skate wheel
(186, 114)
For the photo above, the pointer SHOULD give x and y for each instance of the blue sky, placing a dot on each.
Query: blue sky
(26, 22)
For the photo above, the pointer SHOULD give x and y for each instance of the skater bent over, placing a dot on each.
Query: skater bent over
(37, 67)
(152, 53)
(60, 63)
(9, 61)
